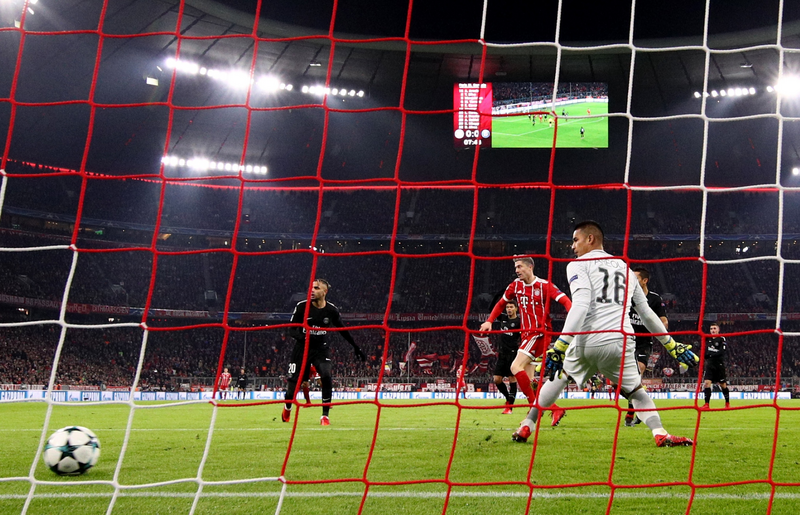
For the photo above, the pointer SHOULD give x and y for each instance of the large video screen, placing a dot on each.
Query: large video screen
(524, 115)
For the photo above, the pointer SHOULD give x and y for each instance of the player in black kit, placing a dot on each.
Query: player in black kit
(241, 384)
(644, 342)
(509, 323)
(716, 348)
(321, 315)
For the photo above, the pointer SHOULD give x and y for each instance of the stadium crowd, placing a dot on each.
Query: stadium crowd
(110, 357)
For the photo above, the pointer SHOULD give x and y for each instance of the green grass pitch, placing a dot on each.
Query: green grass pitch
(413, 443)
(517, 131)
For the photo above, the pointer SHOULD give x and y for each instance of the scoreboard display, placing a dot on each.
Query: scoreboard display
(530, 115)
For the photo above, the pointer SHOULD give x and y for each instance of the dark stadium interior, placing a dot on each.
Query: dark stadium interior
(436, 227)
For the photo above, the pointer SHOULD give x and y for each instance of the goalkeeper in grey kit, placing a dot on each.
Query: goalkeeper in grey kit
(321, 315)
(603, 290)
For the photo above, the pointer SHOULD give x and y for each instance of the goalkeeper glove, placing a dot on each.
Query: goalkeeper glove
(555, 358)
(360, 354)
(682, 353)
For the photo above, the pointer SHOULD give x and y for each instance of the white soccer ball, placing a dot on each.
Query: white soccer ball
(71, 451)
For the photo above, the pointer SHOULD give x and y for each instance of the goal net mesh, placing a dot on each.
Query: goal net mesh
(445, 238)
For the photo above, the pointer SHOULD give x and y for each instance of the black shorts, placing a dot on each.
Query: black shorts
(643, 351)
(715, 371)
(316, 356)
(503, 366)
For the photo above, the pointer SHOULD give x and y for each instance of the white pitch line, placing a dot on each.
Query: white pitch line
(416, 495)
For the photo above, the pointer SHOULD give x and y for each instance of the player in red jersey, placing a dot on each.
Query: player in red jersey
(224, 383)
(531, 294)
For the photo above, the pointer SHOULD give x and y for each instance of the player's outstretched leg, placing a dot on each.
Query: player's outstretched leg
(646, 412)
(548, 393)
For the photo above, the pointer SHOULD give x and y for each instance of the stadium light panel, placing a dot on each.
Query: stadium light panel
(151, 81)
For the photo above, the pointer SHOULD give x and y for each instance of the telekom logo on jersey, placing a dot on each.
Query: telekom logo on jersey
(524, 300)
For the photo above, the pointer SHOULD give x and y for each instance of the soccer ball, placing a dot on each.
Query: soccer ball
(71, 451)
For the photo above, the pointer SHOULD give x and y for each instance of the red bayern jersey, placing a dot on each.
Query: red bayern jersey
(224, 380)
(532, 302)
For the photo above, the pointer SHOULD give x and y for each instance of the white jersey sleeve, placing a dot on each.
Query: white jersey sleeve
(611, 285)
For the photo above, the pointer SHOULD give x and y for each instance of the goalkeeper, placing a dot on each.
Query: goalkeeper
(603, 290)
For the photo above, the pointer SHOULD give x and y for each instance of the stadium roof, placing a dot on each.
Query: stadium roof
(59, 68)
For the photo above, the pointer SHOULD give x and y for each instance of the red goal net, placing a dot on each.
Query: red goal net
(175, 177)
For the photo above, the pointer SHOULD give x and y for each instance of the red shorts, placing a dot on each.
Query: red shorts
(533, 345)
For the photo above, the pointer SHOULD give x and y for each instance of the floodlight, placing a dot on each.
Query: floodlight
(182, 162)
(360, 93)
(212, 165)
(352, 93)
(170, 62)
(723, 93)
(343, 92)
(289, 87)
(304, 89)
(203, 71)
(731, 92)
(220, 166)
(227, 167)
(714, 93)
(173, 161)
(752, 91)
(789, 86)
(264, 169)
(30, 10)
(335, 91)
(696, 94)
(190, 163)
(248, 168)
(770, 89)
(151, 81)
(795, 171)
(165, 160)
(33, 2)
(283, 85)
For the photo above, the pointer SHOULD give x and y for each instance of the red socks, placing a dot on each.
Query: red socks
(524, 383)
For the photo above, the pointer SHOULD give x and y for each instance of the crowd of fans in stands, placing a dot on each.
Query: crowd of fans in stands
(115, 268)
(110, 357)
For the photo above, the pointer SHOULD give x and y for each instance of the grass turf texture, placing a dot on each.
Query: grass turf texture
(518, 132)
(413, 443)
